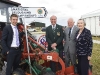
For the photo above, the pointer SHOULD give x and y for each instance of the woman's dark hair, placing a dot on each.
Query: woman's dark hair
(83, 21)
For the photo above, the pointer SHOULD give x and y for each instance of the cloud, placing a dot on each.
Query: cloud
(53, 12)
(63, 9)
(70, 6)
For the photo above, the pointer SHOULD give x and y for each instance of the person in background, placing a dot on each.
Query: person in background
(11, 44)
(54, 38)
(83, 47)
(70, 43)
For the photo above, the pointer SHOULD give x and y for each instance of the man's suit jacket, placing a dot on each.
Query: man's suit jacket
(7, 37)
(54, 37)
(84, 43)
(70, 42)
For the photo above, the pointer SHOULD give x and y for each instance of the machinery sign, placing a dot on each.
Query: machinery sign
(49, 57)
(28, 12)
(42, 41)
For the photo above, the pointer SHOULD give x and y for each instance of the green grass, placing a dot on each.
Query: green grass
(96, 38)
(96, 59)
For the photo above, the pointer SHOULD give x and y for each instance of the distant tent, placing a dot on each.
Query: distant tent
(37, 24)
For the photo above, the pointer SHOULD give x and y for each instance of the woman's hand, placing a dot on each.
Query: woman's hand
(89, 58)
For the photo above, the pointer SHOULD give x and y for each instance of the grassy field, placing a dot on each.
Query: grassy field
(96, 59)
(96, 38)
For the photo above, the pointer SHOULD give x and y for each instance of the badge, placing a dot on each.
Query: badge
(58, 33)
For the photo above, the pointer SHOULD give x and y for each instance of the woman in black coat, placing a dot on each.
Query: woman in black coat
(83, 47)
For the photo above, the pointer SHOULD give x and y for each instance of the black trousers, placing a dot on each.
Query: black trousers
(13, 60)
(83, 65)
(55, 65)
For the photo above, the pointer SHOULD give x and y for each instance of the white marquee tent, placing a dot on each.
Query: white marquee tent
(92, 20)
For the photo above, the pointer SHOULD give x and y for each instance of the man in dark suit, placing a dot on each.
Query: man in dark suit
(54, 37)
(11, 44)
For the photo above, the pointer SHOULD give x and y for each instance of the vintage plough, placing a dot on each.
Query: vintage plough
(39, 58)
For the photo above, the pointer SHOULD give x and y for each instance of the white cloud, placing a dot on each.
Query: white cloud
(63, 9)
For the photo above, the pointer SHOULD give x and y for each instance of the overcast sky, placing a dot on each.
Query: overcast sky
(63, 9)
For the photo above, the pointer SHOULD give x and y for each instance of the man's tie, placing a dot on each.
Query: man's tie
(53, 28)
(17, 36)
(69, 32)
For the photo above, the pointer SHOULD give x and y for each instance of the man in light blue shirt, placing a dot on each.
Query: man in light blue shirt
(11, 44)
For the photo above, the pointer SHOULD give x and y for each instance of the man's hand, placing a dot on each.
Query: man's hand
(89, 58)
(54, 48)
(53, 45)
(64, 42)
(8, 52)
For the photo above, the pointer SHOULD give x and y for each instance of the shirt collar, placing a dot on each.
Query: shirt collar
(54, 26)
(72, 27)
(13, 26)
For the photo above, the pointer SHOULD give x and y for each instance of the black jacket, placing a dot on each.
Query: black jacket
(84, 43)
(7, 37)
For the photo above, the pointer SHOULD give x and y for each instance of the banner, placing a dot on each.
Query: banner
(28, 12)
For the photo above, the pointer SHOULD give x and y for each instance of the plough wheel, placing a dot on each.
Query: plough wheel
(18, 71)
(48, 73)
